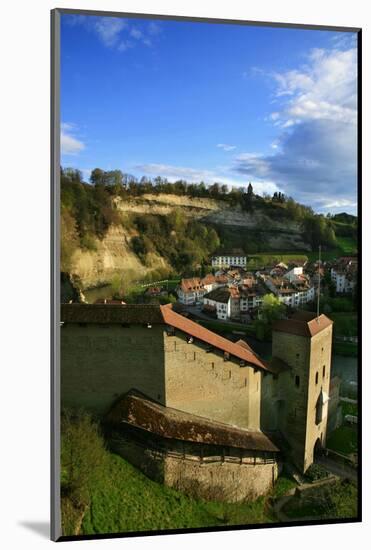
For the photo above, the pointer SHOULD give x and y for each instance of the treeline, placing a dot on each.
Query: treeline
(87, 211)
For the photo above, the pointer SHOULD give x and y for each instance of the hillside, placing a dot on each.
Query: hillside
(120, 235)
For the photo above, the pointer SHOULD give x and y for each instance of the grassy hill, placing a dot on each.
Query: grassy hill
(125, 500)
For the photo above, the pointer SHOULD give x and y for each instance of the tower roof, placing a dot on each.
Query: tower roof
(303, 323)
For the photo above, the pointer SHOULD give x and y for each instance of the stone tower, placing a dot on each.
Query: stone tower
(297, 398)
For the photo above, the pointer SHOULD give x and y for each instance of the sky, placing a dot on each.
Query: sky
(213, 102)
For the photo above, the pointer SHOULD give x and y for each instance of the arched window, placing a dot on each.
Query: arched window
(316, 377)
(323, 371)
(297, 381)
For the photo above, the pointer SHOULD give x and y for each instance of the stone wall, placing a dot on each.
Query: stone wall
(101, 362)
(200, 471)
(225, 481)
(205, 384)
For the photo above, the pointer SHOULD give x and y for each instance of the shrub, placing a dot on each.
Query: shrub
(315, 472)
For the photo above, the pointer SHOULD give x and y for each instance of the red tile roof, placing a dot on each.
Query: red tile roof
(202, 333)
(190, 285)
(302, 326)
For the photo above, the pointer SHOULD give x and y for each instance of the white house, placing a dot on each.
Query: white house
(219, 301)
(344, 275)
(191, 291)
(229, 259)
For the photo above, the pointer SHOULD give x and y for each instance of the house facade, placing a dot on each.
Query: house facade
(229, 259)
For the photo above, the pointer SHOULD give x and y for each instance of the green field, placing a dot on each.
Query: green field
(347, 245)
(343, 440)
(126, 500)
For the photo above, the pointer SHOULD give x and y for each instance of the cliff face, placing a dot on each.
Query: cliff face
(114, 256)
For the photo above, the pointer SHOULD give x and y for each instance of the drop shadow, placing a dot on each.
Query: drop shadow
(42, 528)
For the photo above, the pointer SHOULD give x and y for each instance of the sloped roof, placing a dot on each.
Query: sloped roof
(141, 412)
(302, 326)
(221, 294)
(197, 331)
(111, 313)
(154, 314)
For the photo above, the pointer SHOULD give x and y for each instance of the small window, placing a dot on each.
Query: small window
(297, 355)
(316, 377)
(82, 325)
(125, 325)
(297, 381)
(323, 371)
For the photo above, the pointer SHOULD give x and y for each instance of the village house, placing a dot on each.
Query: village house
(344, 274)
(290, 284)
(191, 291)
(230, 302)
(192, 409)
(235, 258)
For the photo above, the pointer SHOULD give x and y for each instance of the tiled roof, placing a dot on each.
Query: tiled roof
(221, 295)
(111, 313)
(154, 314)
(302, 327)
(197, 331)
(137, 410)
(190, 285)
(208, 279)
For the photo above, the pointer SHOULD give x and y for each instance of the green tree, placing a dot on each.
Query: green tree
(272, 309)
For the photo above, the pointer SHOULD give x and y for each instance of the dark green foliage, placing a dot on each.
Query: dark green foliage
(335, 500)
(185, 243)
(343, 440)
(316, 472)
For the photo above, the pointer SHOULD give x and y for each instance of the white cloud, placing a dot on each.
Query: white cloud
(109, 29)
(324, 88)
(226, 147)
(70, 145)
(136, 33)
(154, 28)
(314, 158)
(115, 32)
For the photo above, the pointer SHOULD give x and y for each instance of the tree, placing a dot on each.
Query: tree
(97, 177)
(272, 309)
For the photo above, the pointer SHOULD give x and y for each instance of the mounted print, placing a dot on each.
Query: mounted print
(206, 306)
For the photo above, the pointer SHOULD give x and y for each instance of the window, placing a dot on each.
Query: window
(323, 371)
(297, 381)
(316, 377)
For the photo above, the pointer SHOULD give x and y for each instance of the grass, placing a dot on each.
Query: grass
(261, 259)
(338, 500)
(349, 408)
(126, 500)
(347, 245)
(343, 440)
(283, 485)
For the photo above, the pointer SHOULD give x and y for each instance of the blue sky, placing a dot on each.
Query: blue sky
(212, 102)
